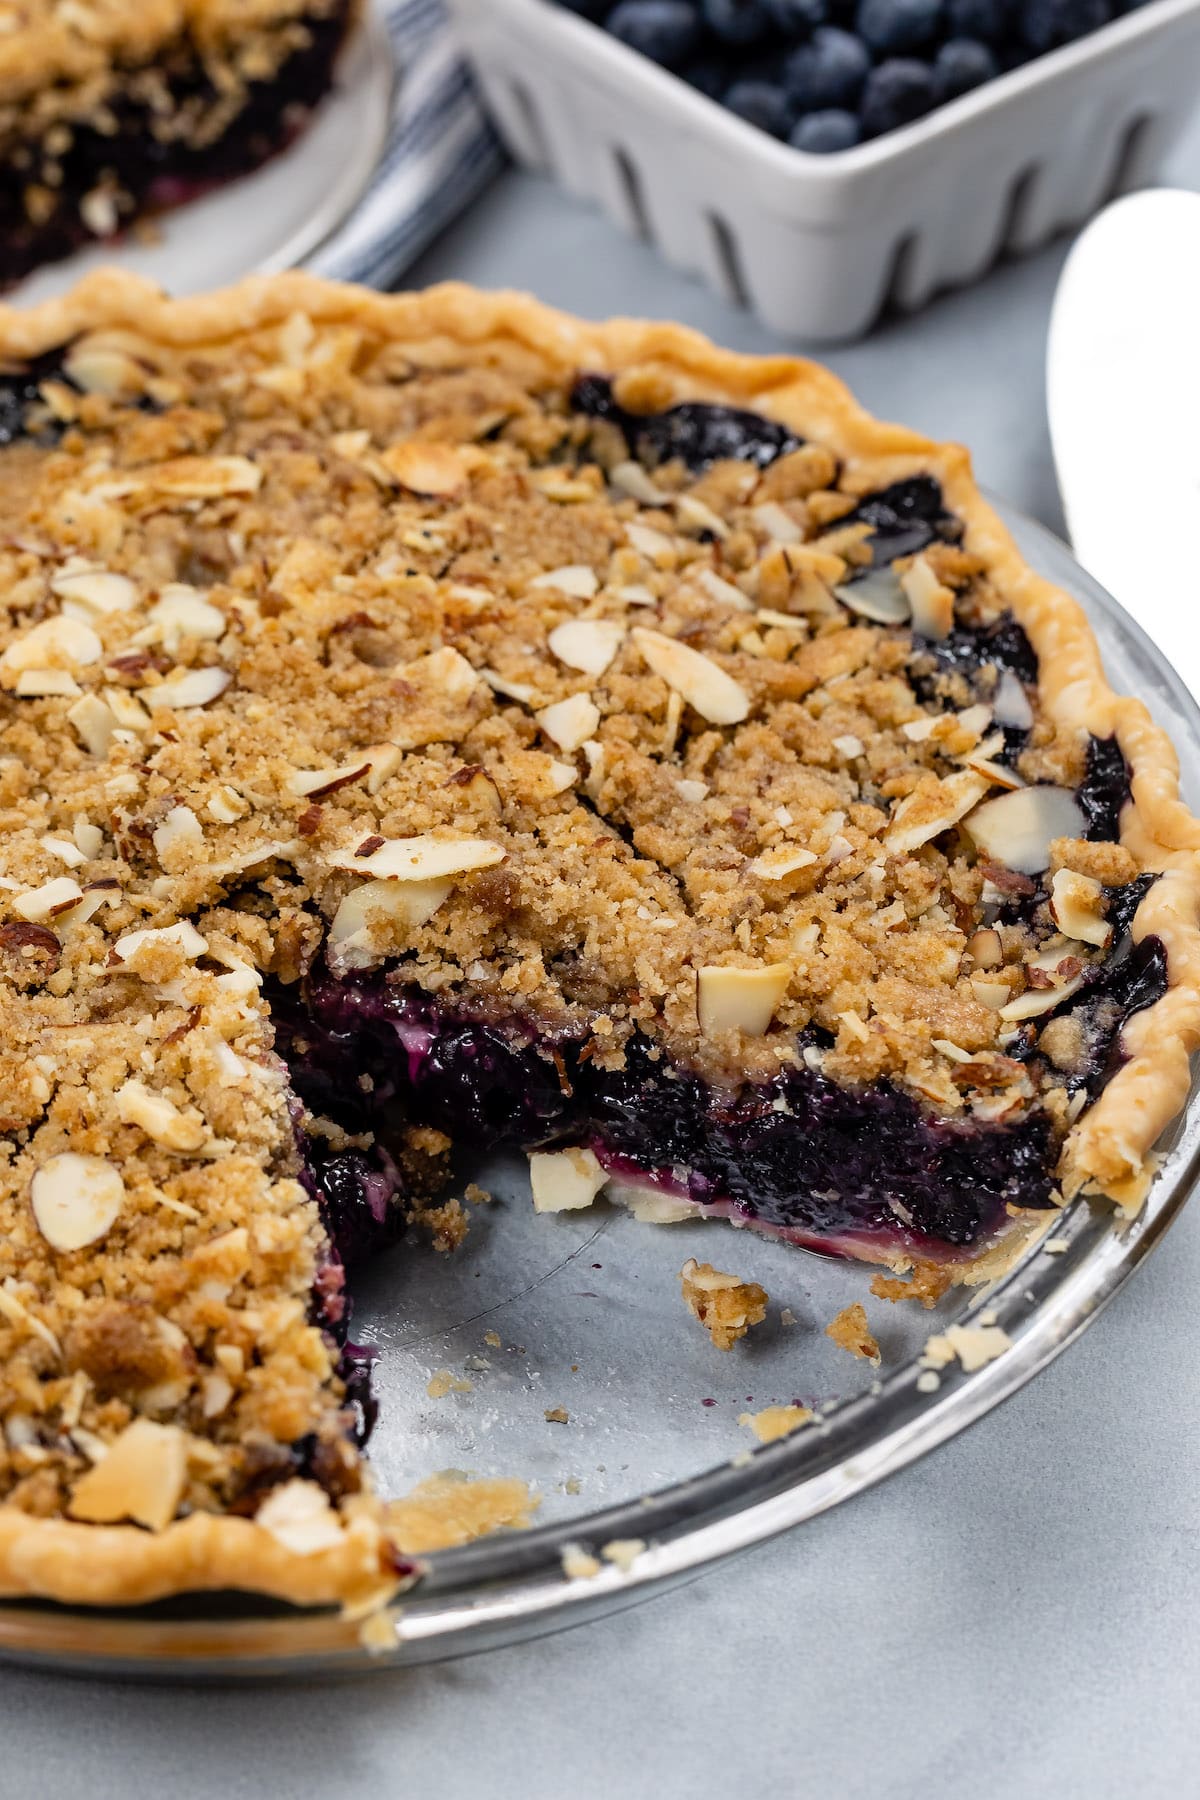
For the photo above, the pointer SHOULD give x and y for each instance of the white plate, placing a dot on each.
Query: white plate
(274, 218)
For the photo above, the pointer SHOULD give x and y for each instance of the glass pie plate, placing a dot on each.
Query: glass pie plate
(580, 1314)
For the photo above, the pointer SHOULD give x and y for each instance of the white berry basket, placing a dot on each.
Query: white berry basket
(818, 246)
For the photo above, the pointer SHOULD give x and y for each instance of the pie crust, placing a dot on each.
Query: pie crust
(349, 1556)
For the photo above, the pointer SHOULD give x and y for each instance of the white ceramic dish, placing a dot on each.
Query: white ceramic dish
(274, 218)
(588, 1312)
(818, 245)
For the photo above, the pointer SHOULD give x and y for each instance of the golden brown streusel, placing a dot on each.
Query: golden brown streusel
(725, 1305)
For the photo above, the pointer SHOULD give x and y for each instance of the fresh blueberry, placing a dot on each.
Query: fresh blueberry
(737, 21)
(761, 103)
(1044, 24)
(829, 71)
(989, 21)
(796, 18)
(898, 27)
(895, 93)
(667, 31)
(823, 133)
(707, 74)
(960, 65)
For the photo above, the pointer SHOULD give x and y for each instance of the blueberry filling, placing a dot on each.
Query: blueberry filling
(151, 170)
(799, 1154)
(1104, 789)
(905, 518)
(21, 391)
(695, 433)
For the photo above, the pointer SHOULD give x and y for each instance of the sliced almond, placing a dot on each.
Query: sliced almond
(722, 591)
(445, 671)
(316, 782)
(990, 993)
(1036, 1001)
(159, 1118)
(76, 1199)
(182, 936)
(126, 709)
(930, 811)
(436, 470)
(849, 746)
(509, 690)
(1077, 908)
(695, 516)
(43, 684)
(95, 724)
(778, 525)
(201, 477)
(649, 543)
(632, 479)
(95, 591)
(424, 858)
(182, 612)
(190, 687)
(740, 999)
(1017, 829)
(50, 901)
(180, 833)
(372, 920)
(785, 859)
(65, 850)
(932, 602)
(58, 643)
(1010, 703)
(587, 644)
(705, 686)
(299, 1516)
(142, 1477)
(564, 1180)
(576, 579)
(570, 722)
(877, 596)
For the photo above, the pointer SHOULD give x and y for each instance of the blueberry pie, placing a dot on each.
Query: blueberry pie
(111, 110)
(431, 722)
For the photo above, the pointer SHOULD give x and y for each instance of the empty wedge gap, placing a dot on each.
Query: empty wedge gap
(1017, 209)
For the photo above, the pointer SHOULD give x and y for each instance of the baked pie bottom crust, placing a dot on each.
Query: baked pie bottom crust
(294, 344)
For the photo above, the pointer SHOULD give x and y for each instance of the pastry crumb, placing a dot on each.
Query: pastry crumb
(444, 1381)
(623, 1552)
(928, 1381)
(776, 1421)
(476, 1195)
(451, 1508)
(557, 1415)
(725, 1305)
(377, 1633)
(973, 1345)
(850, 1331)
(578, 1563)
(927, 1284)
(1056, 1246)
(492, 1339)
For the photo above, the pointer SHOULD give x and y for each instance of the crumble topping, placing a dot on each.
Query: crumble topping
(726, 1306)
(773, 1422)
(311, 638)
(850, 1331)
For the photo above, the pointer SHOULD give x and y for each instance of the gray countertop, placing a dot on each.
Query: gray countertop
(1014, 1617)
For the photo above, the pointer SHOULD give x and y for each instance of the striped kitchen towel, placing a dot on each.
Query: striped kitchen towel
(441, 151)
